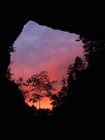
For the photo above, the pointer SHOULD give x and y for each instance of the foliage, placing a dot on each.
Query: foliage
(9, 74)
(41, 82)
(60, 98)
(68, 87)
(39, 85)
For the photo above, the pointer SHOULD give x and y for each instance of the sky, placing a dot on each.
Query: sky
(39, 48)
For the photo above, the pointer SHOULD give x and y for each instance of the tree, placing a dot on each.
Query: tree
(59, 99)
(68, 83)
(41, 86)
(94, 50)
(22, 86)
(74, 69)
(35, 97)
(8, 73)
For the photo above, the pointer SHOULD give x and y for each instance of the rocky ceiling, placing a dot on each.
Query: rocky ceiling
(85, 20)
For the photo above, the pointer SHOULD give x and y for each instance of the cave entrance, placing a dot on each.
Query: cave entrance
(41, 48)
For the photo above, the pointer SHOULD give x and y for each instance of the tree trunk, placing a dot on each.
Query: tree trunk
(39, 103)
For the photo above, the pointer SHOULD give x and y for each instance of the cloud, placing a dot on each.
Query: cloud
(43, 48)
(40, 47)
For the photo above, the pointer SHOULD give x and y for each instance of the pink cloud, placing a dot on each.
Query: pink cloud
(42, 48)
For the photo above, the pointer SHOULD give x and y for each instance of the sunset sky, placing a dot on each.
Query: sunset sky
(40, 48)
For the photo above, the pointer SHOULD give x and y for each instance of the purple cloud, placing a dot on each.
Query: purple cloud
(42, 48)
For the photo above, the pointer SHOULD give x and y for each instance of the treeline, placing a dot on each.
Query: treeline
(78, 107)
(82, 88)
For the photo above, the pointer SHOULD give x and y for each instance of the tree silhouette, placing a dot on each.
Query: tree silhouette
(93, 50)
(73, 75)
(85, 86)
(41, 86)
(36, 97)
(59, 99)
(76, 67)
(68, 85)
(9, 74)
(22, 86)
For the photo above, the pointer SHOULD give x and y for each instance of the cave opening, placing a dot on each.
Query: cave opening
(41, 48)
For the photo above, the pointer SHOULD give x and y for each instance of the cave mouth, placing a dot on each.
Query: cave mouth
(41, 48)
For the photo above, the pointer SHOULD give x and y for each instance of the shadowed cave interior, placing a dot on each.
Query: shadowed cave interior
(89, 112)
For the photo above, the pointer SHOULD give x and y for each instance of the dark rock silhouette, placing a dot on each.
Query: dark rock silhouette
(89, 26)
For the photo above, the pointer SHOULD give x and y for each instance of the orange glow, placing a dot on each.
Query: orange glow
(44, 103)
